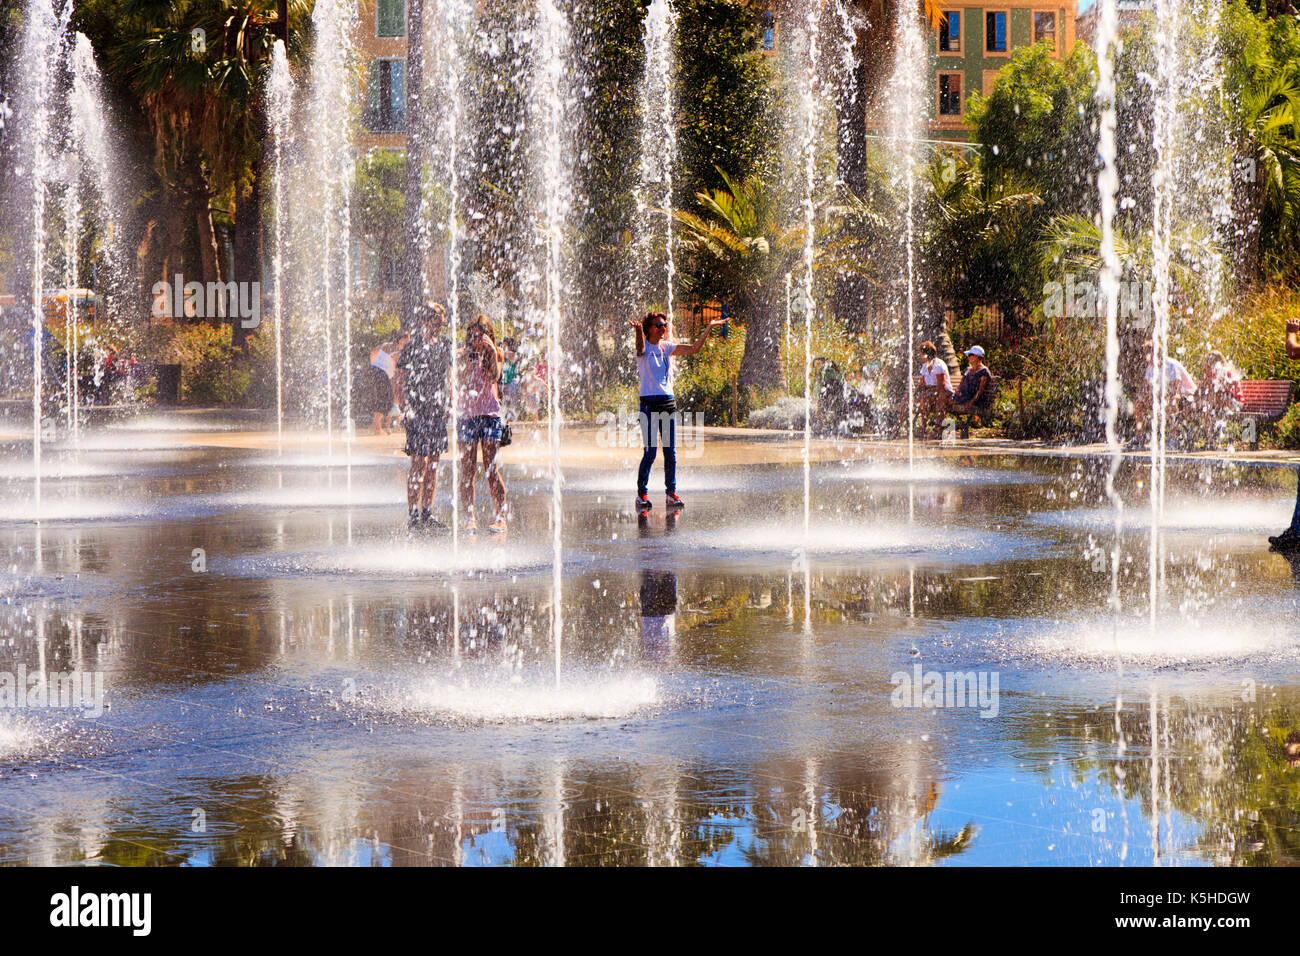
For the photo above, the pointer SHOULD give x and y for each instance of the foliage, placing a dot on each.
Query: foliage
(379, 202)
(1038, 122)
(259, 359)
(1061, 385)
(727, 100)
(706, 382)
(739, 250)
(1286, 433)
(210, 375)
(977, 239)
(1251, 333)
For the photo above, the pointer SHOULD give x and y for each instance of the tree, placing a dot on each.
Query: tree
(201, 95)
(1039, 123)
(975, 239)
(737, 250)
(379, 204)
(727, 100)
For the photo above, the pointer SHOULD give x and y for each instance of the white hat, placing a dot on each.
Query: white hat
(974, 350)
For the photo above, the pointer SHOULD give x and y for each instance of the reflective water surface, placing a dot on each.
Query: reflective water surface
(288, 677)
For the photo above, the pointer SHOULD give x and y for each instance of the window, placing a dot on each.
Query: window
(390, 18)
(950, 32)
(386, 97)
(769, 32)
(989, 79)
(995, 31)
(1045, 27)
(950, 94)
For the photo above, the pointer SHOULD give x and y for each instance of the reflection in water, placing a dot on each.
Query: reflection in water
(380, 704)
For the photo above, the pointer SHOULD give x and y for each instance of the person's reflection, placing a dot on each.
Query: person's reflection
(658, 597)
(658, 615)
(1293, 559)
(645, 529)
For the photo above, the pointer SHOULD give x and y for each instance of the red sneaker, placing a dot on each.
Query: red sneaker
(643, 503)
(674, 501)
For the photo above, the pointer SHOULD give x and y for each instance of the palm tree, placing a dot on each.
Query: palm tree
(738, 250)
(1073, 244)
(974, 235)
(1270, 113)
(206, 112)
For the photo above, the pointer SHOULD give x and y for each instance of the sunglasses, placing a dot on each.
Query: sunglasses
(658, 325)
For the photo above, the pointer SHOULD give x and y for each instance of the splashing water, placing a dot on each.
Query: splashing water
(279, 105)
(658, 140)
(548, 108)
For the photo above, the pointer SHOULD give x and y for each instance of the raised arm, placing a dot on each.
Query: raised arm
(640, 336)
(1292, 346)
(692, 347)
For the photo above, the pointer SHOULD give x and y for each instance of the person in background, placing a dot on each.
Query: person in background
(976, 384)
(654, 354)
(422, 373)
(480, 420)
(1218, 394)
(381, 382)
(1288, 542)
(1179, 389)
(511, 385)
(936, 388)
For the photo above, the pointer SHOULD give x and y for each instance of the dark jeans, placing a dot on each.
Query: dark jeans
(658, 420)
(1295, 515)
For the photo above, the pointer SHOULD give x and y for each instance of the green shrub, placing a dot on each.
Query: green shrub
(259, 359)
(1250, 333)
(1286, 433)
(1059, 370)
(706, 382)
(210, 374)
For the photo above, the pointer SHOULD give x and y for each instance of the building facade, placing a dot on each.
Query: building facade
(972, 46)
(1127, 11)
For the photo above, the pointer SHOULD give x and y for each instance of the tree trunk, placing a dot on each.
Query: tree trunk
(207, 236)
(151, 264)
(248, 237)
(760, 366)
(413, 266)
(174, 262)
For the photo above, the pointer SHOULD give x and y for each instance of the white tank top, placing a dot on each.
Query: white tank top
(387, 361)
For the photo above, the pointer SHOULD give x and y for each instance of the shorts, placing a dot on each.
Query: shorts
(480, 428)
(378, 390)
(426, 433)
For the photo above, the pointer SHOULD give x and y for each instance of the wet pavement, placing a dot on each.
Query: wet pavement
(929, 674)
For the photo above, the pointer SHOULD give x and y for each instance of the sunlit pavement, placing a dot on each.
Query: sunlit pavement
(291, 677)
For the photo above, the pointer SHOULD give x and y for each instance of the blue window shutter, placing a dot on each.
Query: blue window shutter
(372, 96)
(399, 94)
(390, 18)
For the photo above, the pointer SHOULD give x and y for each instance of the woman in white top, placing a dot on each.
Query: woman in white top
(658, 407)
(936, 391)
(382, 396)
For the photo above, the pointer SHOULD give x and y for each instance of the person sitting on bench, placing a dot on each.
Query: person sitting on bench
(976, 389)
(936, 392)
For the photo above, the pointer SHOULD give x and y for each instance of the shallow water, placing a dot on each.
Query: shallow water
(320, 687)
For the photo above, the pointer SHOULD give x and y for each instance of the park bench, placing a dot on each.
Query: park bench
(1263, 401)
(982, 412)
